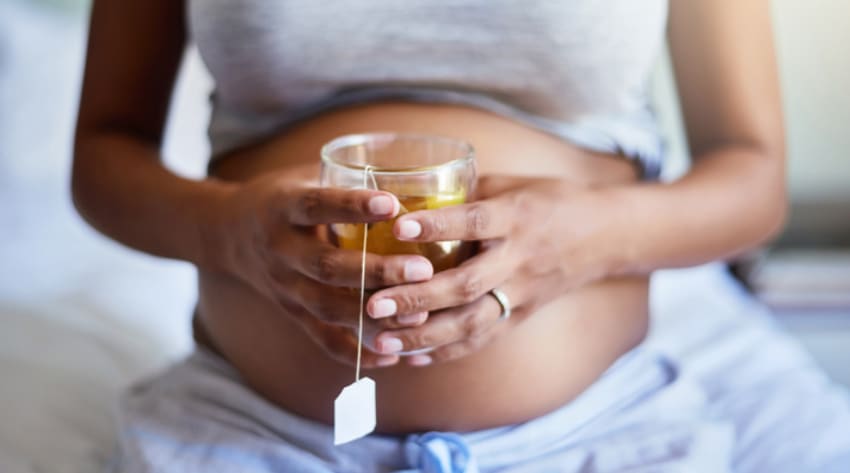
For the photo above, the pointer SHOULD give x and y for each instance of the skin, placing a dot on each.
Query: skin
(253, 228)
(726, 73)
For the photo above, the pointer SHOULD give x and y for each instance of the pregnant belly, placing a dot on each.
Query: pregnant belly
(534, 368)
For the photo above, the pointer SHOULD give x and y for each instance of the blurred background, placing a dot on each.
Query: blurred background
(82, 316)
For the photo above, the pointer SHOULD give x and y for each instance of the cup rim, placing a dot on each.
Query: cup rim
(361, 138)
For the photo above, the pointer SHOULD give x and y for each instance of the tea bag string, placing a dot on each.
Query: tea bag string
(368, 175)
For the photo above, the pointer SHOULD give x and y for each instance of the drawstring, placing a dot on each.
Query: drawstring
(437, 452)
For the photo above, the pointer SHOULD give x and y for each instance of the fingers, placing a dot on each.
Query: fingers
(504, 202)
(453, 287)
(454, 351)
(303, 296)
(318, 205)
(481, 220)
(450, 326)
(331, 305)
(494, 184)
(325, 263)
(341, 345)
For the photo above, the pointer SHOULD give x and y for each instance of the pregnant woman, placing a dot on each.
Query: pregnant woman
(569, 214)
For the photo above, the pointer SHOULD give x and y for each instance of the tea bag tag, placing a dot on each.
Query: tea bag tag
(354, 408)
(354, 411)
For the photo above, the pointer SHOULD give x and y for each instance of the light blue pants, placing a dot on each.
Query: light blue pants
(734, 393)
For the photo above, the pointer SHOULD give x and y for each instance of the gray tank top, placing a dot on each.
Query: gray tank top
(578, 69)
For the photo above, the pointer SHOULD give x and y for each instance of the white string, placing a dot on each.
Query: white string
(367, 172)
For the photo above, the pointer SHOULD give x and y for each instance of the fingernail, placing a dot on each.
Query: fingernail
(384, 308)
(409, 229)
(418, 270)
(390, 345)
(386, 360)
(420, 360)
(412, 319)
(381, 205)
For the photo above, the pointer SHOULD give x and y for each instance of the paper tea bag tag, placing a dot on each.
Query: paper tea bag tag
(354, 411)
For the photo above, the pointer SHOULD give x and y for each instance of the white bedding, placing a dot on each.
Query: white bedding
(80, 316)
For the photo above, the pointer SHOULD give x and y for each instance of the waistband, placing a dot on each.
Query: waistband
(635, 377)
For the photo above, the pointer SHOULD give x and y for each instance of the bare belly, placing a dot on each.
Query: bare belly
(533, 369)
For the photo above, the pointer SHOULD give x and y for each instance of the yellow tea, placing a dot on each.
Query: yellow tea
(443, 254)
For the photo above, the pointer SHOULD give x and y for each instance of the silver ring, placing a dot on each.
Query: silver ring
(504, 302)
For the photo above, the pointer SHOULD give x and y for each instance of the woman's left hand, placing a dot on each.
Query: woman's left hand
(539, 238)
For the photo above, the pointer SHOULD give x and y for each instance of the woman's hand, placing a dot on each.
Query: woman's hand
(540, 238)
(267, 234)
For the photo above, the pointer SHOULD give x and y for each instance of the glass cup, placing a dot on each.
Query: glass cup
(423, 171)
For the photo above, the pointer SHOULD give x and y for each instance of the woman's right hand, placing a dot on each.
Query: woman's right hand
(268, 235)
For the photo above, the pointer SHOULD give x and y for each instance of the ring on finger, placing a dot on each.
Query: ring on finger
(504, 303)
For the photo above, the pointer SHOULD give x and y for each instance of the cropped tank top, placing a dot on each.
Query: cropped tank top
(578, 69)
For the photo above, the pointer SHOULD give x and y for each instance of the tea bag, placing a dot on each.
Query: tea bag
(355, 407)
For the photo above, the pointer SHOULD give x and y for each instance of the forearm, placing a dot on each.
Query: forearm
(120, 187)
(732, 200)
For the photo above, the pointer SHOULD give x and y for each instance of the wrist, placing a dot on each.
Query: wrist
(622, 212)
(607, 216)
(214, 226)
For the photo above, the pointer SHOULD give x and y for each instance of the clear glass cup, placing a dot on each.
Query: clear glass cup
(423, 171)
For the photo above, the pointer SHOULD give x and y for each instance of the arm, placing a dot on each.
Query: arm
(119, 184)
(733, 198)
(544, 237)
(261, 231)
